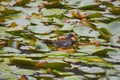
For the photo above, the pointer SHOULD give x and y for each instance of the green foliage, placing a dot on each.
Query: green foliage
(25, 25)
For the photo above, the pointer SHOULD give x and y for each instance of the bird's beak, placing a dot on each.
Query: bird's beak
(73, 38)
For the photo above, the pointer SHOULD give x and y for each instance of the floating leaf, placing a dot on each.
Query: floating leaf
(15, 29)
(45, 76)
(67, 27)
(10, 50)
(34, 56)
(57, 53)
(52, 12)
(40, 29)
(21, 2)
(8, 76)
(104, 33)
(24, 62)
(23, 71)
(91, 49)
(40, 47)
(91, 76)
(113, 27)
(95, 15)
(3, 32)
(54, 64)
(85, 31)
(4, 68)
(115, 10)
(62, 73)
(114, 55)
(73, 78)
(88, 5)
(92, 70)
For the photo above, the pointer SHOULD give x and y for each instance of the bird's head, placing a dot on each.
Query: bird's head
(72, 37)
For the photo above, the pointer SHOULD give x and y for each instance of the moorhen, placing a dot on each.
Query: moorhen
(65, 43)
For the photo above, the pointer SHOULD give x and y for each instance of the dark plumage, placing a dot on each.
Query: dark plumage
(68, 41)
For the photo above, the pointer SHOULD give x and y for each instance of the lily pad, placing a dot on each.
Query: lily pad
(57, 53)
(15, 29)
(62, 73)
(22, 2)
(23, 62)
(114, 55)
(40, 29)
(54, 64)
(7, 76)
(23, 71)
(91, 49)
(3, 32)
(85, 31)
(52, 12)
(45, 76)
(88, 4)
(67, 27)
(40, 47)
(73, 78)
(92, 70)
(4, 68)
(113, 27)
(10, 50)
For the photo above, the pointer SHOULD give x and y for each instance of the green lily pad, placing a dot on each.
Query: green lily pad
(92, 70)
(88, 4)
(113, 27)
(10, 50)
(91, 49)
(114, 78)
(19, 22)
(112, 71)
(117, 67)
(23, 71)
(34, 56)
(67, 27)
(40, 29)
(112, 60)
(63, 73)
(52, 12)
(104, 33)
(7, 76)
(74, 78)
(15, 29)
(91, 76)
(23, 62)
(46, 36)
(57, 53)
(40, 47)
(22, 2)
(85, 31)
(95, 15)
(7, 10)
(3, 32)
(114, 55)
(45, 76)
(56, 64)
(4, 68)
(115, 10)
